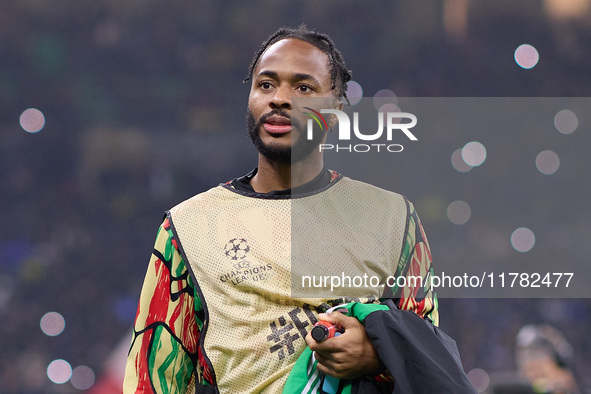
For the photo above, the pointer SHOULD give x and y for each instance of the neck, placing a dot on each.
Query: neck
(272, 175)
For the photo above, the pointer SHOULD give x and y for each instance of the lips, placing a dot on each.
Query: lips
(277, 125)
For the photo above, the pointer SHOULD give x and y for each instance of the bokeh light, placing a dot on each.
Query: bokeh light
(390, 108)
(566, 121)
(458, 163)
(459, 212)
(354, 92)
(107, 33)
(59, 371)
(52, 324)
(384, 96)
(523, 239)
(474, 153)
(32, 120)
(480, 379)
(82, 377)
(526, 56)
(547, 162)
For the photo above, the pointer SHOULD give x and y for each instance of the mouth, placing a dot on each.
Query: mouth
(276, 124)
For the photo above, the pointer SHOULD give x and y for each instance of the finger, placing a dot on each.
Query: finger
(310, 341)
(325, 364)
(329, 317)
(327, 346)
(329, 367)
(332, 359)
(320, 358)
(342, 320)
(324, 369)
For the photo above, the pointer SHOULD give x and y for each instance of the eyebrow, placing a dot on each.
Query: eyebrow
(295, 76)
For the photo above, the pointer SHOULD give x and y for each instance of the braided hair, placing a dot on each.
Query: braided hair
(339, 74)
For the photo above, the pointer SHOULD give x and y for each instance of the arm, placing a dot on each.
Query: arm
(352, 354)
(348, 356)
(420, 356)
(163, 353)
(415, 260)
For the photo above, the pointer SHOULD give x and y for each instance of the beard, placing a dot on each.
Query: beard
(300, 147)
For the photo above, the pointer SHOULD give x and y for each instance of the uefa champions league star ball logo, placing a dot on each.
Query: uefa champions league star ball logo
(236, 249)
(243, 271)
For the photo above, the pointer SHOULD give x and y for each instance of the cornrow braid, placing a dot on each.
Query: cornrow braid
(339, 74)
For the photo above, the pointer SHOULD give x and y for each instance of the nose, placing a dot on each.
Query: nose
(282, 98)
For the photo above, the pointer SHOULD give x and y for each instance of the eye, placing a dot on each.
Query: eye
(265, 85)
(305, 88)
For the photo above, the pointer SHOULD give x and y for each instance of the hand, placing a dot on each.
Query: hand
(348, 356)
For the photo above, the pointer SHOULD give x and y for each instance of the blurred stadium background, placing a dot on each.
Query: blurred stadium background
(138, 105)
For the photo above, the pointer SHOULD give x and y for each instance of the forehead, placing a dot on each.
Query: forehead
(294, 56)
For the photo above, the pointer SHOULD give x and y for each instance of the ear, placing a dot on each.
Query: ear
(332, 119)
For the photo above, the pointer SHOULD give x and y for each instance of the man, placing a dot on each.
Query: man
(544, 358)
(216, 310)
(545, 364)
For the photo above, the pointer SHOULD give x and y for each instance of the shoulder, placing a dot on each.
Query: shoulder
(370, 193)
(211, 197)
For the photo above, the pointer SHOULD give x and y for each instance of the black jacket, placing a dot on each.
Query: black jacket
(421, 357)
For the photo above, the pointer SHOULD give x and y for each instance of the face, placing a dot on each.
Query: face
(542, 369)
(287, 69)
